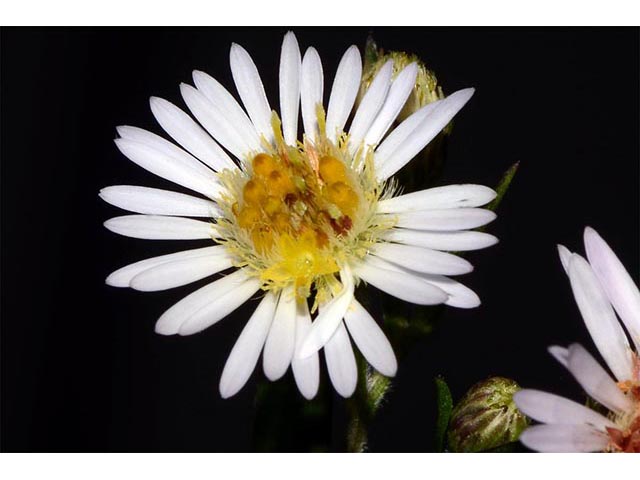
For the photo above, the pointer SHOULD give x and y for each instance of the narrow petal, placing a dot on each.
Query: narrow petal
(437, 119)
(405, 286)
(331, 316)
(616, 281)
(370, 105)
(219, 307)
(564, 438)
(450, 219)
(215, 122)
(183, 170)
(246, 351)
(447, 241)
(600, 319)
(450, 196)
(549, 408)
(153, 227)
(459, 296)
(398, 94)
(595, 380)
(565, 255)
(343, 92)
(561, 354)
(370, 339)
(422, 259)
(189, 134)
(399, 135)
(251, 90)
(306, 371)
(170, 321)
(341, 362)
(311, 91)
(221, 98)
(180, 272)
(290, 67)
(123, 276)
(153, 201)
(281, 340)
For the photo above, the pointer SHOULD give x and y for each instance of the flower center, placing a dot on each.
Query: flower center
(297, 208)
(295, 215)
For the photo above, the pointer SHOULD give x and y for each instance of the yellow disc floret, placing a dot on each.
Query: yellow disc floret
(295, 215)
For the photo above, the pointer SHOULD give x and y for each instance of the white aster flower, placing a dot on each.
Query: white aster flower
(301, 221)
(599, 286)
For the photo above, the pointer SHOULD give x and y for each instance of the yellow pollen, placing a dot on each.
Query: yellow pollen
(294, 211)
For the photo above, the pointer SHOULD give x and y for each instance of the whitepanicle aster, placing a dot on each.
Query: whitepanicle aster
(301, 221)
(600, 285)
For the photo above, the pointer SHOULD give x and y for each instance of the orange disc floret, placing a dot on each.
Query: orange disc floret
(264, 164)
(343, 196)
(279, 185)
(254, 193)
(332, 170)
(249, 216)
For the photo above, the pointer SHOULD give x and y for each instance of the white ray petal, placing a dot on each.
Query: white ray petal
(251, 91)
(290, 67)
(564, 438)
(561, 354)
(183, 170)
(403, 285)
(153, 201)
(123, 276)
(370, 339)
(214, 122)
(437, 119)
(180, 272)
(306, 371)
(155, 227)
(422, 259)
(549, 408)
(449, 219)
(330, 317)
(341, 363)
(448, 241)
(311, 91)
(595, 381)
(459, 295)
(343, 92)
(170, 321)
(399, 135)
(220, 306)
(370, 105)
(600, 319)
(155, 142)
(450, 196)
(565, 255)
(616, 281)
(398, 94)
(246, 351)
(224, 101)
(281, 340)
(184, 130)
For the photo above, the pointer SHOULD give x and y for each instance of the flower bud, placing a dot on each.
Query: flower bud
(426, 89)
(487, 417)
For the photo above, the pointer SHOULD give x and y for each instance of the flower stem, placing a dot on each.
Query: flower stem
(364, 404)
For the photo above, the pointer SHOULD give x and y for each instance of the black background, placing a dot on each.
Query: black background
(82, 369)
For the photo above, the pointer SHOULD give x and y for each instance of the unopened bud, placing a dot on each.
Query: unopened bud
(487, 417)
(426, 89)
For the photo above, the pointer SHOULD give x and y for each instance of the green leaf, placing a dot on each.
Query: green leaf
(445, 406)
(503, 186)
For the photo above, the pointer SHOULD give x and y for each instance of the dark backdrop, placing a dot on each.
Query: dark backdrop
(82, 369)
